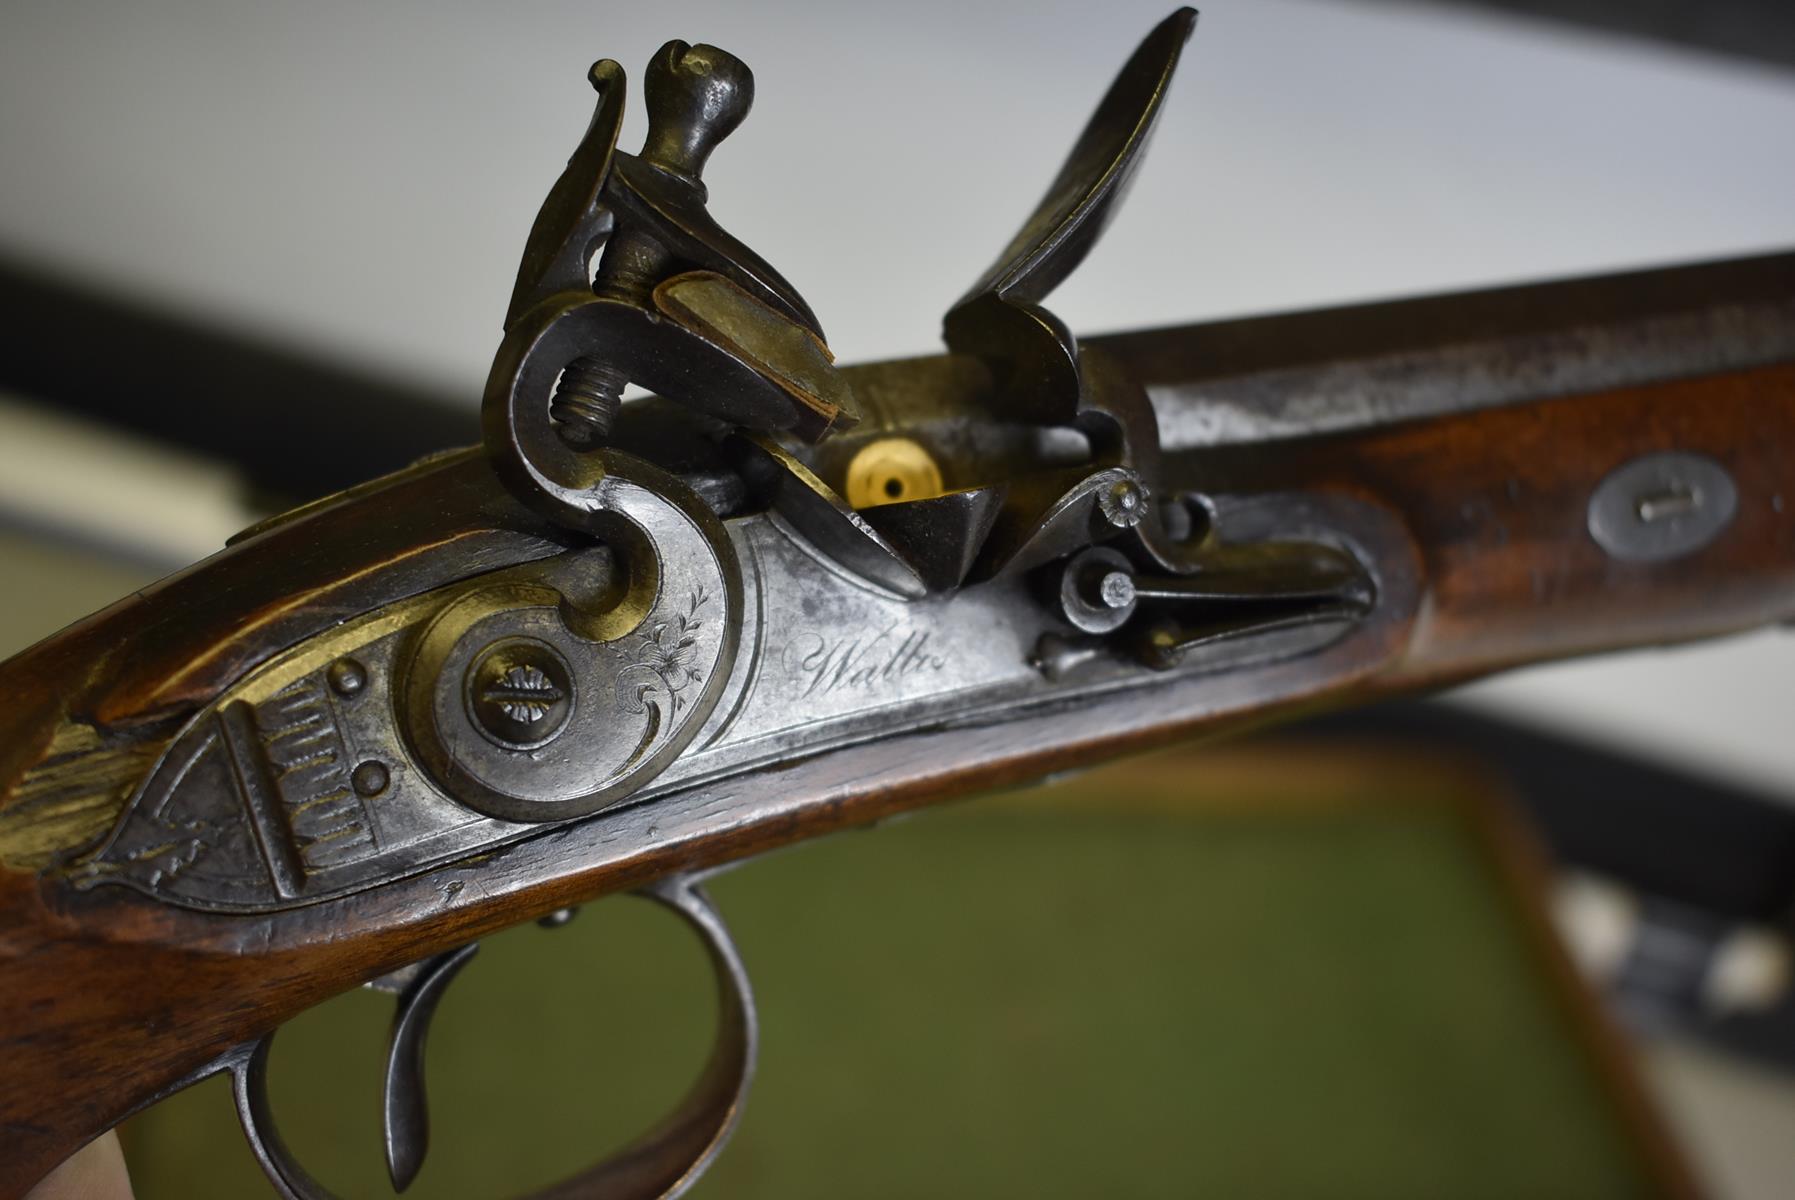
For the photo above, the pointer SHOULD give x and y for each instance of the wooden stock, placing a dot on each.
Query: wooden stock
(108, 998)
(1498, 500)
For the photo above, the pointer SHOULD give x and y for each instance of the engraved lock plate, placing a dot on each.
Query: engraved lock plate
(444, 724)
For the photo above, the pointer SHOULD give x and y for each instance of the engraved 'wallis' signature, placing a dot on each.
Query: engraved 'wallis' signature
(859, 663)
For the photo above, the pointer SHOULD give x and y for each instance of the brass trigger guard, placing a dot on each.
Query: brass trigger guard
(663, 1162)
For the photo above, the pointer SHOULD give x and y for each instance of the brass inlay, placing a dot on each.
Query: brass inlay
(73, 796)
(892, 470)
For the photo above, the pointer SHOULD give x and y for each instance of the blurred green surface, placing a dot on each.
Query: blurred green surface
(1003, 998)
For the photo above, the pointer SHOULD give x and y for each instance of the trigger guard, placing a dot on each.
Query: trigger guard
(249, 1087)
(668, 1159)
(663, 1163)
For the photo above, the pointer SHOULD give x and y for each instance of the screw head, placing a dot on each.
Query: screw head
(370, 778)
(347, 677)
(1116, 589)
(520, 693)
(1097, 592)
(1124, 504)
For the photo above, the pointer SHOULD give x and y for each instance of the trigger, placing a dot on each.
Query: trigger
(404, 1111)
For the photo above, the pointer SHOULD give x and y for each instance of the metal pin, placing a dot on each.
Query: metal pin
(1056, 656)
(1675, 501)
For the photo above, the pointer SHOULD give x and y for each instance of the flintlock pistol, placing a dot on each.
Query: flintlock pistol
(623, 644)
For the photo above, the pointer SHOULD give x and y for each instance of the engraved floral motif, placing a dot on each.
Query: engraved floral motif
(663, 656)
